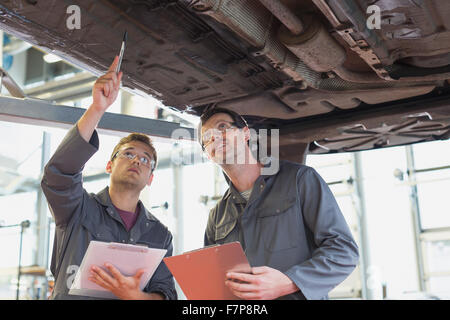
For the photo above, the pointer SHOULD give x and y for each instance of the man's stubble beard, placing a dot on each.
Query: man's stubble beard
(231, 154)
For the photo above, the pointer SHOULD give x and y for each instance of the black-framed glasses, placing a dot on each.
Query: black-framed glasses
(220, 128)
(130, 155)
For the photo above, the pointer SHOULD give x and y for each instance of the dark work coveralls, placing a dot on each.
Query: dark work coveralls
(291, 223)
(81, 217)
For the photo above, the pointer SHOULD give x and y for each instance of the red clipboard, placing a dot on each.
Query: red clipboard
(201, 273)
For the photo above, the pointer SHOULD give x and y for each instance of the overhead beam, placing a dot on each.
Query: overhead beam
(43, 113)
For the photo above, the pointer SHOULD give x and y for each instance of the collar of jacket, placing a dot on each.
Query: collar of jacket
(105, 200)
(233, 191)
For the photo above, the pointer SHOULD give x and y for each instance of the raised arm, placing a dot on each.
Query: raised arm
(104, 93)
(62, 180)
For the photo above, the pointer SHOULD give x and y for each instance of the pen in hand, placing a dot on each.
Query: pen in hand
(122, 50)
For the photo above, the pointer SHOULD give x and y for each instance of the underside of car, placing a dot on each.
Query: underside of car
(317, 70)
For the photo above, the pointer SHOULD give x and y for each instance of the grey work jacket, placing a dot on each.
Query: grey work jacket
(291, 223)
(81, 217)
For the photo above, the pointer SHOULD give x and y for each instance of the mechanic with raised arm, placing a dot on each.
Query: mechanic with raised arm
(115, 214)
(287, 221)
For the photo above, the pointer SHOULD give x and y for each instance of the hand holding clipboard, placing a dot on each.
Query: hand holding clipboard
(126, 258)
(201, 273)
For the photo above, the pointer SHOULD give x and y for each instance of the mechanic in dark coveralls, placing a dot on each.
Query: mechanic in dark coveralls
(288, 222)
(113, 215)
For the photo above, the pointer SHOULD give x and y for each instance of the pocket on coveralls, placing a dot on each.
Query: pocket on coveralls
(279, 226)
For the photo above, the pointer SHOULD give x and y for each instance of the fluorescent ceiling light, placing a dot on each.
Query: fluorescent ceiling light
(51, 58)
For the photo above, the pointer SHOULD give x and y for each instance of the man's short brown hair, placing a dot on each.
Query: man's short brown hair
(136, 137)
(238, 120)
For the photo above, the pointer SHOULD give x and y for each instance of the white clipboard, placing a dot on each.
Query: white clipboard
(127, 258)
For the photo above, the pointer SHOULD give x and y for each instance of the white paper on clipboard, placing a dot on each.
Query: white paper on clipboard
(127, 258)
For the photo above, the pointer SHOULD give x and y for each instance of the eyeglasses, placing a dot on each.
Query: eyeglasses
(127, 154)
(220, 127)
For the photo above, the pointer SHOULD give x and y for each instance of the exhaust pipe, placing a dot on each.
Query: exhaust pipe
(254, 23)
